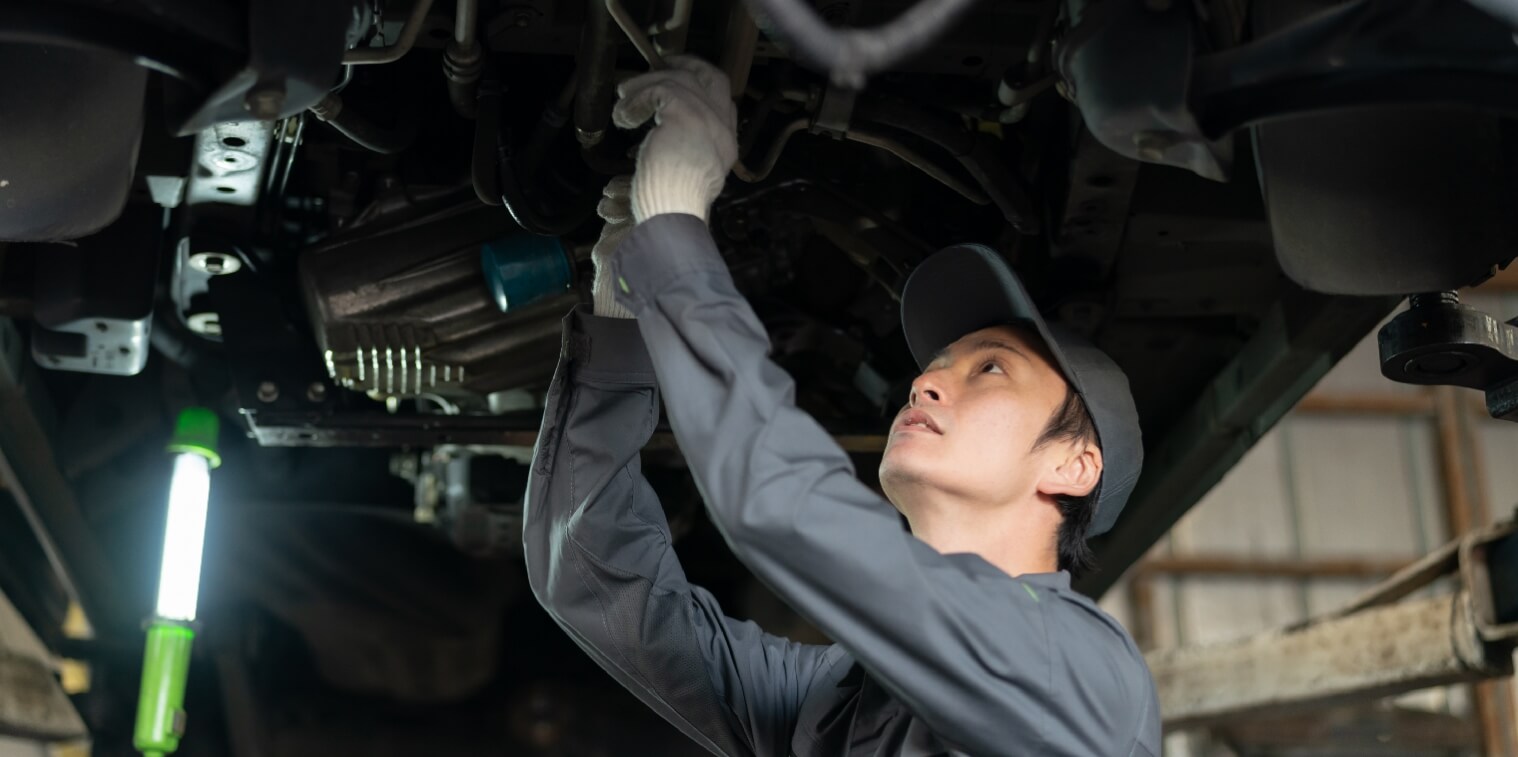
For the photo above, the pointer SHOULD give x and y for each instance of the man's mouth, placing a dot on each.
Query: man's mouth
(917, 420)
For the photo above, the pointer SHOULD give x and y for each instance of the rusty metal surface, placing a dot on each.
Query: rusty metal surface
(1337, 731)
(32, 704)
(1404, 582)
(1372, 647)
(1378, 652)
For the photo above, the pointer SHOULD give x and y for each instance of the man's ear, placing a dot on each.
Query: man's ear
(1074, 476)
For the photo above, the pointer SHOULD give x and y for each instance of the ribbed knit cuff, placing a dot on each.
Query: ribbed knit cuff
(603, 294)
(670, 190)
(603, 289)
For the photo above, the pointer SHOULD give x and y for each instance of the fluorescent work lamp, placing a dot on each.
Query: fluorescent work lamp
(166, 661)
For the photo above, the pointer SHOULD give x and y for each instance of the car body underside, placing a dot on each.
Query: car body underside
(353, 228)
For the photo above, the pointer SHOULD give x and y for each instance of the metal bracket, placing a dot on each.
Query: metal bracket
(1489, 567)
(835, 111)
(1438, 341)
(229, 163)
(94, 299)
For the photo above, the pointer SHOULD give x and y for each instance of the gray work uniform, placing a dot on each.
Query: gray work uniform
(936, 654)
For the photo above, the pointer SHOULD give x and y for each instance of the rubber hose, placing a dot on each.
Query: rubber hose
(487, 126)
(976, 152)
(360, 130)
(527, 215)
(596, 74)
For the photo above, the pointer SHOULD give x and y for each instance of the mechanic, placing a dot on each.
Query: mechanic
(962, 636)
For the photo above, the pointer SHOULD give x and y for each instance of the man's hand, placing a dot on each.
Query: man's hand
(684, 160)
(616, 209)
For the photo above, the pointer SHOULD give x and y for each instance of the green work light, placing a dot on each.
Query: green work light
(166, 660)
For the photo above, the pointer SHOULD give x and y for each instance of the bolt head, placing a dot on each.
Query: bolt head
(1152, 144)
(316, 392)
(268, 391)
(207, 324)
(265, 102)
(215, 263)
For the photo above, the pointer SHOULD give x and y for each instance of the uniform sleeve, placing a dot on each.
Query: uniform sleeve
(600, 561)
(985, 660)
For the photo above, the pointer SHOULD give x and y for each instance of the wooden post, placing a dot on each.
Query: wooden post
(1460, 510)
(1500, 693)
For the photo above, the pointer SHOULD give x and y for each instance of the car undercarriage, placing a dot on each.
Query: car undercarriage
(352, 229)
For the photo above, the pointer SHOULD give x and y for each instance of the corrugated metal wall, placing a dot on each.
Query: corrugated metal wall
(1322, 486)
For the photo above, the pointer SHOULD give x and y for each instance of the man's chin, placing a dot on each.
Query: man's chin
(904, 466)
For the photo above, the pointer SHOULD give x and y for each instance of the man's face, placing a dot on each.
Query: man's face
(972, 421)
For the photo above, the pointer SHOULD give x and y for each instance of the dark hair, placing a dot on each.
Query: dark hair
(1072, 423)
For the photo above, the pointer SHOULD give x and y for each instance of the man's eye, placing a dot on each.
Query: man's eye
(991, 367)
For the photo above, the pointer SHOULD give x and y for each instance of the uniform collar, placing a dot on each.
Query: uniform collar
(977, 565)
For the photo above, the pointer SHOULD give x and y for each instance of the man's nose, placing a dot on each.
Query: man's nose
(926, 389)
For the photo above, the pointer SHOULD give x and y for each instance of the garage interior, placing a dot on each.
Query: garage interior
(1360, 480)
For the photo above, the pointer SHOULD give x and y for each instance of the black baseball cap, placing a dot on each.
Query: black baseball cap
(968, 287)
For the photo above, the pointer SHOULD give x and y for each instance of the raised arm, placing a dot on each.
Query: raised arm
(600, 560)
(984, 659)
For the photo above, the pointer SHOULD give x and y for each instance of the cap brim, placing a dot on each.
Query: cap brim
(962, 289)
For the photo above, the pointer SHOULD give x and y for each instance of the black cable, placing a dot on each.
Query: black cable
(361, 131)
(527, 215)
(977, 153)
(493, 170)
(487, 128)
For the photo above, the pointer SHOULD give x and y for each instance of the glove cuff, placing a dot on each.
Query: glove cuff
(671, 190)
(603, 288)
(603, 293)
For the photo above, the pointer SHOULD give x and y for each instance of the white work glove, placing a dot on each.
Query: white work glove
(616, 209)
(684, 160)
